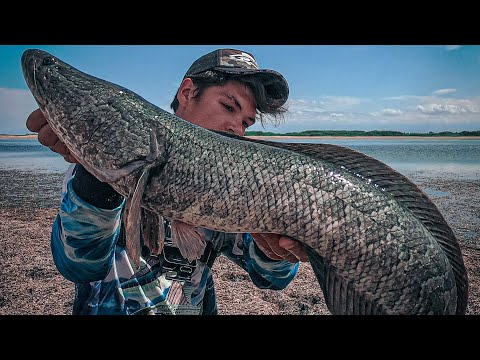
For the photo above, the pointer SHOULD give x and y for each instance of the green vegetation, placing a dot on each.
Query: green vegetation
(362, 133)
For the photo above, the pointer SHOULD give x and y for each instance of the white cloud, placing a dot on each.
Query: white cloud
(15, 106)
(444, 91)
(326, 103)
(303, 105)
(448, 108)
(401, 98)
(452, 47)
(392, 112)
(340, 102)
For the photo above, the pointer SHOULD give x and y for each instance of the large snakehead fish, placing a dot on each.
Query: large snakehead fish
(375, 241)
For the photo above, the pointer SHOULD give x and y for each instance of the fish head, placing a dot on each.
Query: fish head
(67, 97)
(99, 122)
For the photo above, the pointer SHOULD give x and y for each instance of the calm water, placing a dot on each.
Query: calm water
(30, 155)
(435, 158)
(457, 159)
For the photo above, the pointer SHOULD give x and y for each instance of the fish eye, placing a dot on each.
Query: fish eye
(48, 61)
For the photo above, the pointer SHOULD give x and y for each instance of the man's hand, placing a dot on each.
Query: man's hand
(278, 247)
(36, 122)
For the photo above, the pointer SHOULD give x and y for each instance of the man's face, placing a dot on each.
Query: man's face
(229, 108)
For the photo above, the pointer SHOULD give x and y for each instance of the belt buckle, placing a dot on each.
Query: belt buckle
(175, 266)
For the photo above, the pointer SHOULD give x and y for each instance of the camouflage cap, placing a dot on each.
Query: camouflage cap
(241, 62)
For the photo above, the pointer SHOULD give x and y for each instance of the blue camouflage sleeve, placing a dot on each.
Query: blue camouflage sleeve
(83, 238)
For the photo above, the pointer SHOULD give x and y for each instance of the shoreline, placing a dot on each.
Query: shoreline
(334, 137)
(18, 137)
(286, 137)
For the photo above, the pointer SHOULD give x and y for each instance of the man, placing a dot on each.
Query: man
(225, 91)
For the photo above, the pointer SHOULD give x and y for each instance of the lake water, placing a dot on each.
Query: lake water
(29, 155)
(431, 158)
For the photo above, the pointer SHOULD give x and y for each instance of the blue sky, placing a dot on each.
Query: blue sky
(417, 88)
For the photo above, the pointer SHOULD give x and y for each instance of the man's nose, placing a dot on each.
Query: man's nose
(236, 129)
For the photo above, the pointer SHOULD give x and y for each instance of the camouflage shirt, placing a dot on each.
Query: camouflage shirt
(86, 251)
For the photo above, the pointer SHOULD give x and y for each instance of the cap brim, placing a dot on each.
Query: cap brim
(276, 87)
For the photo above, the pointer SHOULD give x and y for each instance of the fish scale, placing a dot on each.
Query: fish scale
(377, 244)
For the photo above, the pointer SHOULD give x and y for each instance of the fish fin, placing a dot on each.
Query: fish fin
(132, 216)
(155, 143)
(398, 186)
(153, 227)
(190, 241)
(113, 175)
(134, 225)
(153, 231)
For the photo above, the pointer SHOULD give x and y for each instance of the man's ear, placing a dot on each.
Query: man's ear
(185, 92)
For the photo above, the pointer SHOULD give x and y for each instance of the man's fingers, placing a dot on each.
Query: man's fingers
(271, 241)
(47, 137)
(36, 121)
(70, 158)
(264, 245)
(295, 247)
(60, 148)
(291, 258)
(279, 247)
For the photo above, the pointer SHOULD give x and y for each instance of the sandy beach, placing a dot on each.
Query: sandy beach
(30, 283)
(18, 137)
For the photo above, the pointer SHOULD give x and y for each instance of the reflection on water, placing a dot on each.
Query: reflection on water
(430, 158)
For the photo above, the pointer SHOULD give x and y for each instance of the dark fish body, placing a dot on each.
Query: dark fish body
(377, 244)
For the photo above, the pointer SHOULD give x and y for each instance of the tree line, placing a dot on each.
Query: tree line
(362, 133)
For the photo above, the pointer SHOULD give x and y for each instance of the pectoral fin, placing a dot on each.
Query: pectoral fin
(190, 241)
(153, 231)
(132, 216)
(133, 210)
(113, 175)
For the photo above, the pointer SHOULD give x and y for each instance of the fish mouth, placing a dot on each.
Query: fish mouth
(34, 64)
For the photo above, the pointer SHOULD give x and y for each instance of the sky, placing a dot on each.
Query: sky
(408, 88)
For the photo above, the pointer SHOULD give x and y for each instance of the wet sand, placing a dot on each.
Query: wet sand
(30, 283)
